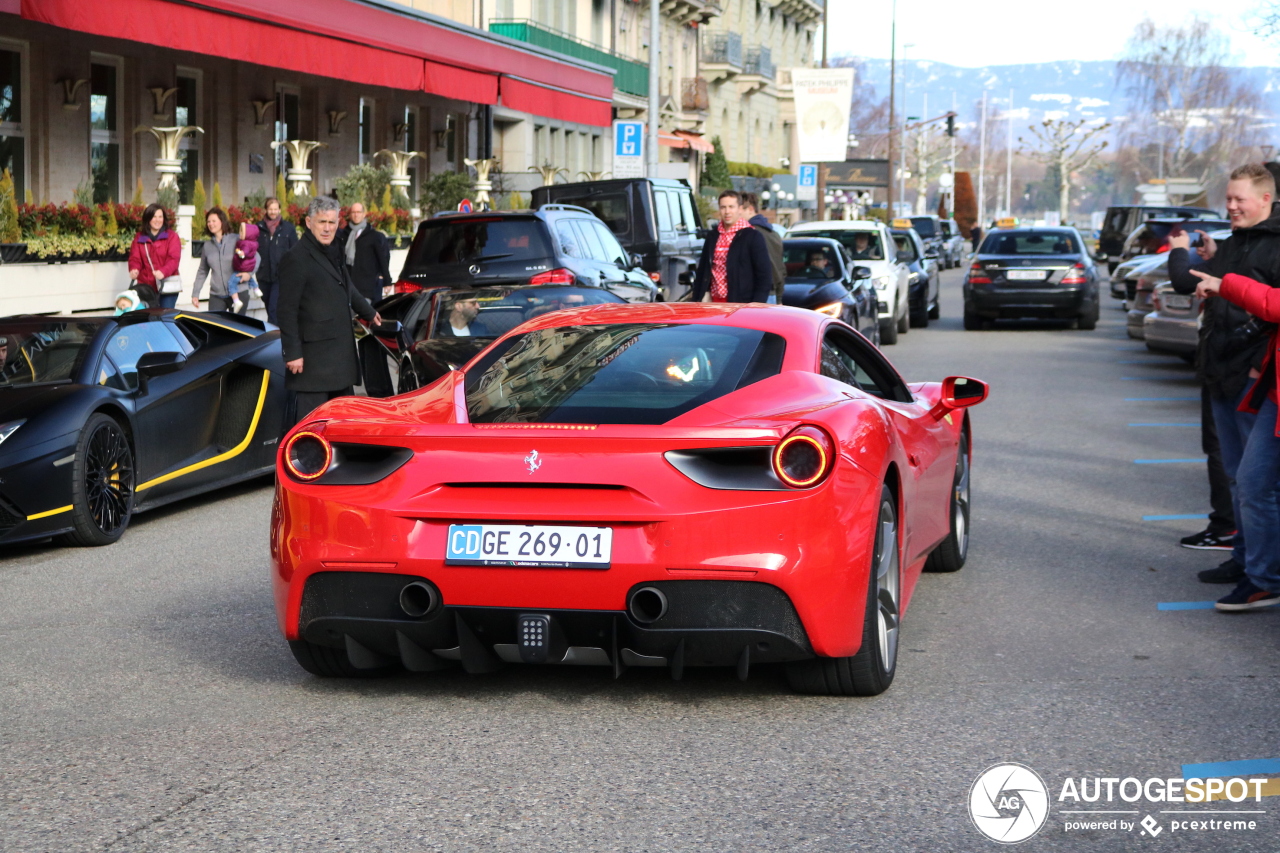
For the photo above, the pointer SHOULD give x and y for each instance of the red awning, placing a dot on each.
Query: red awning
(696, 140)
(346, 40)
(670, 140)
(554, 103)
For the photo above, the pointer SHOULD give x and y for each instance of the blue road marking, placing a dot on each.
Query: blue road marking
(1166, 461)
(1155, 399)
(1221, 769)
(1185, 605)
(1174, 517)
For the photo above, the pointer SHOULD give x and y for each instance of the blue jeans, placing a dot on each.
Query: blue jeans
(169, 300)
(1234, 428)
(1258, 486)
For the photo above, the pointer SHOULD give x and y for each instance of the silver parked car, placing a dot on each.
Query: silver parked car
(1140, 304)
(1173, 326)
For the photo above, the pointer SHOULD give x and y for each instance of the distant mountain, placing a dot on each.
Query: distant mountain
(1064, 89)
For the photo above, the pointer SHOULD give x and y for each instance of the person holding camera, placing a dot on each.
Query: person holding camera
(1233, 342)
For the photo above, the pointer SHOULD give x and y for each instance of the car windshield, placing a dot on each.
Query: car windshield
(1030, 243)
(924, 226)
(32, 353)
(488, 312)
(863, 245)
(447, 241)
(628, 373)
(905, 244)
(807, 261)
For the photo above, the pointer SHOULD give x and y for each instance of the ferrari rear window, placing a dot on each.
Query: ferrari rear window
(632, 373)
(33, 353)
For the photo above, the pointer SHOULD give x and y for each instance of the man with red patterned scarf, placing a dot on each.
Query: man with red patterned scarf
(735, 263)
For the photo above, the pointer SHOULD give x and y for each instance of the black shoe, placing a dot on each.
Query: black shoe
(1229, 572)
(1207, 540)
(1247, 596)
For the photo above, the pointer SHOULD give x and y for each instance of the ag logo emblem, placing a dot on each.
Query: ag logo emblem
(1008, 803)
(533, 461)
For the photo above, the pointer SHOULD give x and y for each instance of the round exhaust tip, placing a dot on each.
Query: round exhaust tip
(418, 599)
(648, 605)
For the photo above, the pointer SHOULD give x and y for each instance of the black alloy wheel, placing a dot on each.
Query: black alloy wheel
(102, 483)
(408, 379)
(870, 671)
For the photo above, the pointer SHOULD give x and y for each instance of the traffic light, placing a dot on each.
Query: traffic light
(951, 125)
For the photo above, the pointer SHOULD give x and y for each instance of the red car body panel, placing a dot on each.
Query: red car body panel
(813, 544)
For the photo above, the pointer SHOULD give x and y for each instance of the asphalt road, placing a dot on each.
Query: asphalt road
(147, 701)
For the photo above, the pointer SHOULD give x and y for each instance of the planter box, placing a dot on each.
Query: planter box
(13, 253)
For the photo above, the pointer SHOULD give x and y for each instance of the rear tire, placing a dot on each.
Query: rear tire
(1089, 321)
(935, 312)
(889, 333)
(102, 483)
(919, 319)
(950, 555)
(972, 320)
(870, 671)
(328, 662)
(904, 322)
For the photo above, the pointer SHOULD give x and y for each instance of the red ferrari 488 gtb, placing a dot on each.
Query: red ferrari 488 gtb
(625, 485)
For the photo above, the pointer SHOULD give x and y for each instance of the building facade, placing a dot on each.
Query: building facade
(78, 82)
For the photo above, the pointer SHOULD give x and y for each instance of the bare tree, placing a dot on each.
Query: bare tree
(1185, 99)
(1065, 147)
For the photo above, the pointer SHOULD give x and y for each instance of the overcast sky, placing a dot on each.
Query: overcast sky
(1007, 32)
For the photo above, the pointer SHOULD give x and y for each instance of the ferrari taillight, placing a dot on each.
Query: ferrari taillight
(307, 455)
(1075, 275)
(406, 287)
(977, 275)
(560, 276)
(804, 458)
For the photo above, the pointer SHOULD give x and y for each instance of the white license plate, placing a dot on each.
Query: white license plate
(529, 545)
(1024, 275)
(1176, 300)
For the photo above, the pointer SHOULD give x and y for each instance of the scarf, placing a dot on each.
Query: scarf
(352, 236)
(333, 251)
(720, 257)
(272, 225)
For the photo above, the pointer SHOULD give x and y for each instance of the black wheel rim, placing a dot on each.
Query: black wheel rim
(886, 586)
(108, 479)
(961, 501)
(408, 379)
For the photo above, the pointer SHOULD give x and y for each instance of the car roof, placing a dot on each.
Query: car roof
(836, 225)
(789, 322)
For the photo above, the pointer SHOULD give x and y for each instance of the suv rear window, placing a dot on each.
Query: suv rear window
(448, 242)
(863, 245)
(610, 208)
(1031, 243)
(628, 373)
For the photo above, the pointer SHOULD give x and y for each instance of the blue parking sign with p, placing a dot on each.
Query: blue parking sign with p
(628, 137)
(808, 176)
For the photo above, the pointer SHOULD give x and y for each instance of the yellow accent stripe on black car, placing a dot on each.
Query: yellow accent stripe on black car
(213, 323)
(221, 457)
(49, 512)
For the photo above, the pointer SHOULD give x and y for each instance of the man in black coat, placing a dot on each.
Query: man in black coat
(276, 236)
(772, 241)
(735, 265)
(315, 305)
(1232, 342)
(368, 254)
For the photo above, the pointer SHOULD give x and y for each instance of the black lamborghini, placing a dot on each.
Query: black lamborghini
(102, 417)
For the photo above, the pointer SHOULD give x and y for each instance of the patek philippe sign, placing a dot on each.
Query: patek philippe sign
(858, 173)
(823, 98)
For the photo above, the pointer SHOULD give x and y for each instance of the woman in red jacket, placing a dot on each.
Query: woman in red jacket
(153, 257)
(1258, 477)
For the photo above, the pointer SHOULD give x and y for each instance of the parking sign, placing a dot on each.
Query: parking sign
(628, 149)
(807, 183)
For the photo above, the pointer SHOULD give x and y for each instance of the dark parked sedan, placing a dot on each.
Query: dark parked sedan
(1032, 272)
(822, 277)
(925, 278)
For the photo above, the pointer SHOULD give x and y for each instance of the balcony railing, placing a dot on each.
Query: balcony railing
(632, 77)
(694, 98)
(724, 49)
(759, 61)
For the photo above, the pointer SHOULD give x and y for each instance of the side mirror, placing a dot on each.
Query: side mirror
(860, 273)
(388, 329)
(637, 260)
(931, 253)
(959, 392)
(686, 277)
(160, 363)
(905, 257)
(703, 233)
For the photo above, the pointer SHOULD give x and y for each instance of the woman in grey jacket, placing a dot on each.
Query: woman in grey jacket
(216, 263)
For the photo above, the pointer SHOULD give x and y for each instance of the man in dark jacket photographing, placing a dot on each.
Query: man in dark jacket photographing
(735, 265)
(1232, 342)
